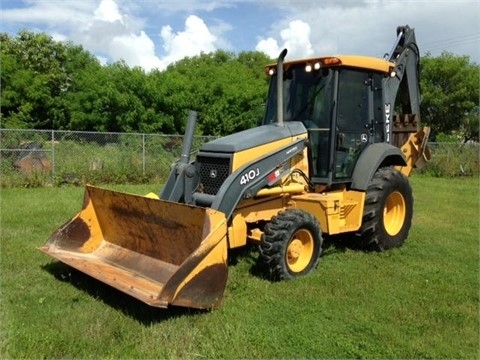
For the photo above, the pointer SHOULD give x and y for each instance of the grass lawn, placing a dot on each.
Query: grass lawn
(419, 301)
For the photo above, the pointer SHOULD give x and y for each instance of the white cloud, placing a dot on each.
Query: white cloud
(111, 35)
(111, 30)
(136, 50)
(269, 46)
(108, 11)
(196, 38)
(296, 38)
(52, 13)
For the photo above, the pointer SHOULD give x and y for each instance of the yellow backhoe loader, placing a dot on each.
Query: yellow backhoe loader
(339, 138)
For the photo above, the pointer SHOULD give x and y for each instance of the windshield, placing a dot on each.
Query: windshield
(307, 97)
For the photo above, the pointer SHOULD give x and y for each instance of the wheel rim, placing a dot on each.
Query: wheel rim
(394, 213)
(300, 251)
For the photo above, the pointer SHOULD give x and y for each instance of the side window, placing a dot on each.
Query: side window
(352, 128)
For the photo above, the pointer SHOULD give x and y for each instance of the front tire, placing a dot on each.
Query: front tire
(291, 245)
(388, 210)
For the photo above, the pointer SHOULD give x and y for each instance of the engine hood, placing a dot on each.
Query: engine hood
(254, 137)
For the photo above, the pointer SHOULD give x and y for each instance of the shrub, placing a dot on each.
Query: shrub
(453, 159)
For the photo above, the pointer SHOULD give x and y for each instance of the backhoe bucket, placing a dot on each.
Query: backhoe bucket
(157, 251)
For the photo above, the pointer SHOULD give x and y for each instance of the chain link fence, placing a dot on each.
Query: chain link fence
(46, 157)
(42, 157)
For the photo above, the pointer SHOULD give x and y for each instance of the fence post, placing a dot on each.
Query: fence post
(53, 156)
(143, 154)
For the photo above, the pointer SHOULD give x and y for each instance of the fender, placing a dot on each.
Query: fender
(373, 157)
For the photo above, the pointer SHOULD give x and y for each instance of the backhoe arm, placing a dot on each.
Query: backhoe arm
(402, 101)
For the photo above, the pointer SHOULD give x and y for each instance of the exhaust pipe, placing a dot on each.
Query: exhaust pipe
(179, 184)
(188, 137)
(281, 57)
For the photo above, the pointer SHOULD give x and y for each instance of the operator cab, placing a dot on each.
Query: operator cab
(341, 107)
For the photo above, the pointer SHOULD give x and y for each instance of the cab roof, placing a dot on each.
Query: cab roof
(356, 61)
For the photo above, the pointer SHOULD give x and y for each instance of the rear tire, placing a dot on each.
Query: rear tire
(291, 245)
(388, 210)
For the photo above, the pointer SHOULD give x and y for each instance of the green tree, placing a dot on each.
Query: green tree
(34, 80)
(45, 83)
(49, 84)
(450, 91)
(471, 125)
(227, 90)
(84, 92)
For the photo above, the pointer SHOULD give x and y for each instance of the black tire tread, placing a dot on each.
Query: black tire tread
(277, 235)
(372, 233)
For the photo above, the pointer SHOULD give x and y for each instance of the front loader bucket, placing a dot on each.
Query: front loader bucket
(157, 251)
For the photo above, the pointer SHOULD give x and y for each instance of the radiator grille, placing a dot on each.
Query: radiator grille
(213, 172)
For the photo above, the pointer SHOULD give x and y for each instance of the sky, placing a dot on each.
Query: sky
(155, 33)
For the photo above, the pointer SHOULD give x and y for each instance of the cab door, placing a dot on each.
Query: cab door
(357, 120)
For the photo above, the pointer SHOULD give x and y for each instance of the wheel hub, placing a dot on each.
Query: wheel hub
(300, 251)
(394, 213)
(294, 250)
